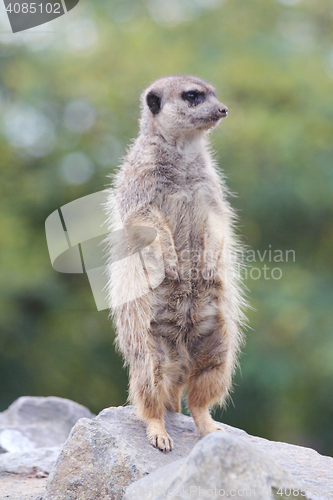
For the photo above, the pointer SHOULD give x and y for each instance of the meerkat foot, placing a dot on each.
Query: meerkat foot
(204, 422)
(158, 436)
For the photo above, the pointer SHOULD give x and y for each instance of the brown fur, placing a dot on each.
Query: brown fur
(183, 335)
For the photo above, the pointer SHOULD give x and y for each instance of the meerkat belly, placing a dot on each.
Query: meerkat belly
(184, 214)
(186, 308)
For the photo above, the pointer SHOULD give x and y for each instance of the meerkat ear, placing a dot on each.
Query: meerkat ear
(154, 102)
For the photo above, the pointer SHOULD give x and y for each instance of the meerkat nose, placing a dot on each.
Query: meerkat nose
(223, 111)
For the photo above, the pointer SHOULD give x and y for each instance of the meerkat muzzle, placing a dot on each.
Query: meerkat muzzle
(220, 112)
(223, 111)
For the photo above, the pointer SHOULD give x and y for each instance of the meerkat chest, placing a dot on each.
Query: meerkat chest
(188, 197)
(185, 208)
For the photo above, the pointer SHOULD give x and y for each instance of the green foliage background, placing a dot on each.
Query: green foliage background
(272, 65)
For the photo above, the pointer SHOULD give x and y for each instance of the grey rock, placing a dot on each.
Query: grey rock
(39, 460)
(32, 432)
(35, 422)
(220, 465)
(106, 454)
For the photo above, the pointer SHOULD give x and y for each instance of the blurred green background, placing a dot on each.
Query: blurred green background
(69, 101)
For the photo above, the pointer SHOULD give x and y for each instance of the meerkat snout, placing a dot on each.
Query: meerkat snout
(220, 112)
(223, 111)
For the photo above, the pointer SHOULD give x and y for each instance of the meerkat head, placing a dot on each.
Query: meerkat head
(177, 106)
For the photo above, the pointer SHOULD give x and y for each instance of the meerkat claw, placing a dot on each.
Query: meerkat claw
(163, 443)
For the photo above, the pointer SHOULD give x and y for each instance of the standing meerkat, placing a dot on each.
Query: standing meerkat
(184, 334)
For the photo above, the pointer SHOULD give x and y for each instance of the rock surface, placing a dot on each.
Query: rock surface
(219, 465)
(106, 454)
(35, 422)
(32, 432)
(110, 454)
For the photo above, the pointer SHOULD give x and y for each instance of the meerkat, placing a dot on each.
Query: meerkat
(184, 335)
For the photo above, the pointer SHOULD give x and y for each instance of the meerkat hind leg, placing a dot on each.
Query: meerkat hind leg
(211, 372)
(175, 403)
(150, 407)
(206, 389)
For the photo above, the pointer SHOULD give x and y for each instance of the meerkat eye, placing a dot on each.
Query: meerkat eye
(194, 97)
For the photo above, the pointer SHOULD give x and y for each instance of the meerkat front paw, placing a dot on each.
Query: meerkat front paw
(208, 273)
(172, 271)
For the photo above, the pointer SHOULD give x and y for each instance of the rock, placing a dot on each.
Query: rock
(41, 459)
(106, 454)
(35, 422)
(32, 432)
(220, 465)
